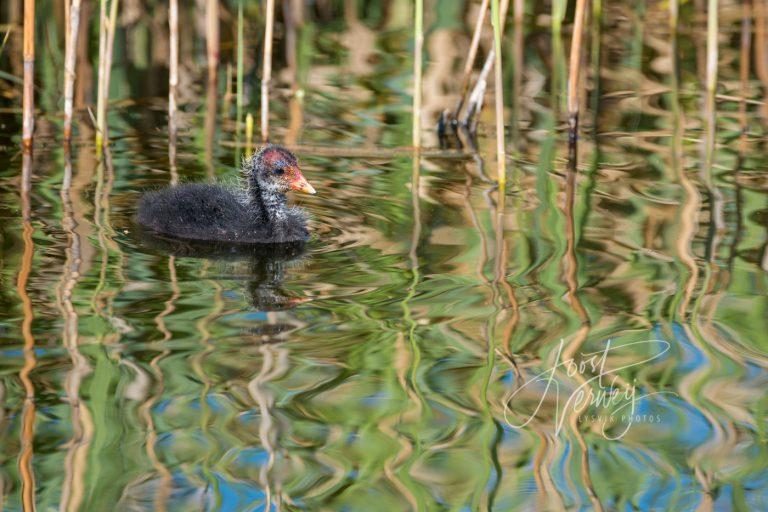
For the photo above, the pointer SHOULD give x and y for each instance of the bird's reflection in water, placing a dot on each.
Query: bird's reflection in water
(265, 271)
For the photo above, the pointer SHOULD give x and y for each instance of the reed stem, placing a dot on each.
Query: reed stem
(574, 68)
(745, 47)
(227, 101)
(102, 57)
(248, 134)
(267, 71)
(469, 64)
(712, 28)
(418, 50)
(212, 40)
(711, 81)
(173, 74)
(106, 43)
(498, 94)
(475, 99)
(240, 65)
(173, 82)
(28, 93)
(70, 61)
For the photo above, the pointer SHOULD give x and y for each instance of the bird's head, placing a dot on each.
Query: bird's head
(274, 168)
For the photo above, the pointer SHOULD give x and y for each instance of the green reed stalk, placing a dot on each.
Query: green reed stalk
(267, 71)
(28, 93)
(240, 65)
(418, 46)
(498, 93)
(558, 65)
(70, 60)
(248, 133)
(574, 68)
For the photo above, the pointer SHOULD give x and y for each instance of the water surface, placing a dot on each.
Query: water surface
(391, 364)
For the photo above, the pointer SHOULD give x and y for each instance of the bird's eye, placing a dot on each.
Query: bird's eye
(279, 171)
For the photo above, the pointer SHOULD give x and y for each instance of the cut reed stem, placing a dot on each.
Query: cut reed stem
(418, 50)
(498, 93)
(266, 76)
(574, 66)
(28, 93)
(70, 61)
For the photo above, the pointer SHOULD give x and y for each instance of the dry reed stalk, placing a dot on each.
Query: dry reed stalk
(99, 86)
(712, 28)
(173, 83)
(499, 95)
(212, 37)
(711, 79)
(70, 61)
(674, 10)
(418, 50)
(517, 84)
(574, 68)
(761, 44)
(106, 42)
(28, 93)
(475, 100)
(745, 46)
(173, 74)
(227, 100)
(266, 76)
(471, 56)
(596, 58)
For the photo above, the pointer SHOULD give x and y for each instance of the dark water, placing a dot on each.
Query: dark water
(432, 346)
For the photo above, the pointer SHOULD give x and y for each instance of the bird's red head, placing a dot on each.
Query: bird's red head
(279, 166)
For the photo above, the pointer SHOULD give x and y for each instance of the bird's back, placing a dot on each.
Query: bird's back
(198, 211)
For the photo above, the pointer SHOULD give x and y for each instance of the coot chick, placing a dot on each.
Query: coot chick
(255, 215)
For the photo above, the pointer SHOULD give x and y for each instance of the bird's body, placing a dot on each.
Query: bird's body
(214, 213)
(206, 212)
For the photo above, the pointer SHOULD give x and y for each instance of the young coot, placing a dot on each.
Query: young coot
(257, 214)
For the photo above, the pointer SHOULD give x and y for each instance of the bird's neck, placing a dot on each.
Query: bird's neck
(270, 201)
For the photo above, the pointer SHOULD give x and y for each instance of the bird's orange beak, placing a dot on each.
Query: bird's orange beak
(301, 184)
